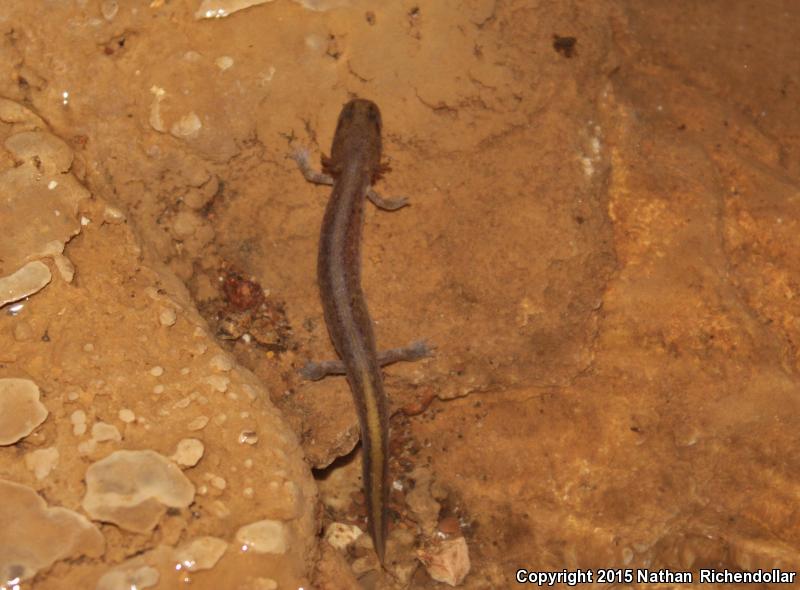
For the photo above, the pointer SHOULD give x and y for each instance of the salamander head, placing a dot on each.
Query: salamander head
(358, 134)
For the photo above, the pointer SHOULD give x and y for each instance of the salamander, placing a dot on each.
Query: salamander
(354, 164)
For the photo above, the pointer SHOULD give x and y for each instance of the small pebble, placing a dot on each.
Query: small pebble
(78, 420)
(158, 389)
(157, 371)
(189, 452)
(126, 415)
(113, 215)
(447, 562)
(167, 317)
(198, 423)
(248, 437)
(341, 535)
(102, 431)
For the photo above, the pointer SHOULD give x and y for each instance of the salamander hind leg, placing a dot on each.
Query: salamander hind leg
(314, 371)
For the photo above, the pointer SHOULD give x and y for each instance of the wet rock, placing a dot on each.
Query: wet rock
(125, 579)
(202, 553)
(34, 536)
(37, 189)
(28, 280)
(133, 489)
(222, 8)
(263, 536)
(20, 409)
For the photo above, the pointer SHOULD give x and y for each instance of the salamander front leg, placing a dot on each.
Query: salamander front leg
(414, 352)
(301, 157)
(384, 203)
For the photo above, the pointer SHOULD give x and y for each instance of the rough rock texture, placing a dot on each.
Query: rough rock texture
(98, 346)
(602, 243)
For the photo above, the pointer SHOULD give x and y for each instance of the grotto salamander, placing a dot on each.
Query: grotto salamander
(352, 167)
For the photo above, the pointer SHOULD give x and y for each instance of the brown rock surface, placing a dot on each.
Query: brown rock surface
(602, 243)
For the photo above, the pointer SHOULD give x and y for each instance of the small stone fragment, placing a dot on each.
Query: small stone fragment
(133, 489)
(263, 536)
(35, 536)
(156, 122)
(128, 579)
(78, 420)
(157, 371)
(65, 267)
(20, 409)
(447, 562)
(126, 415)
(341, 535)
(202, 553)
(222, 8)
(42, 461)
(248, 437)
(167, 317)
(198, 423)
(102, 432)
(29, 279)
(113, 215)
(188, 453)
